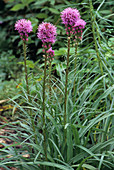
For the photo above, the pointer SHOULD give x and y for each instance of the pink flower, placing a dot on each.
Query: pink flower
(51, 54)
(47, 33)
(69, 16)
(78, 29)
(23, 27)
(80, 24)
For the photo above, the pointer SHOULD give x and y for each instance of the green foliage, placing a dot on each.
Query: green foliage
(8, 66)
(90, 109)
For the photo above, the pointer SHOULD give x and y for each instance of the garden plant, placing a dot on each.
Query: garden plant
(64, 105)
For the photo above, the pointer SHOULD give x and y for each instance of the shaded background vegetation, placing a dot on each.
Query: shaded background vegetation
(91, 114)
(38, 11)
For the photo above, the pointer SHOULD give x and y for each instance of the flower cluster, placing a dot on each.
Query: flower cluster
(47, 33)
(80, 23)
(78, 27)
(74, 25)
(50, 54)
(69, 16)
(23, 27)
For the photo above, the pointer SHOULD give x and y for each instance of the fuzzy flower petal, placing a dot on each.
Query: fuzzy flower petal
(50, 53)
(23, 27)
(47, 33)
(69, 16)
(78, 29)
(80, 24)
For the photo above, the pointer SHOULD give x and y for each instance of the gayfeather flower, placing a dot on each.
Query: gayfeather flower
(80, 23)
(69, 17)
(51, 54)
(23, 27)
(47, 33)
(78, 28)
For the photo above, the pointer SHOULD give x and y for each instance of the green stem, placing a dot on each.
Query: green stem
(94, 36)
(83, 161)
(66, 82)
(93, 19)
(26, 75)
(75, 66)
(101, 62)
(50, 67)
(27, 86)
(43, 105)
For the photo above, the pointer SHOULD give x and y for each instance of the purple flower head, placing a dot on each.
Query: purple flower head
(50, 54)
(77, 29)
(80, 24)
(69, 16)
(47, 33)
(23, 27)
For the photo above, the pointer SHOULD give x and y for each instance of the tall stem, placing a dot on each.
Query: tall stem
(27, 86)
(43, 105)
(75, 66)
(50, 66)
(100, 63)
(66, 82)
(26, 75)
(94, 36)
(95, 41)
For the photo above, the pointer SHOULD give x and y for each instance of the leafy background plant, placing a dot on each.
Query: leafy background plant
(91, 121)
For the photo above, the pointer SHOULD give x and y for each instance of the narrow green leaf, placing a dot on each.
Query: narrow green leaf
(104, 95)
(57, 149)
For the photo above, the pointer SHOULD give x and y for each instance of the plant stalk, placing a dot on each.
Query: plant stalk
(27, 86)
(50, 92)
(43, 105)
(75, 67)
(94, 37)
(66, 84)
(50, 67)
(100, 64)
(26, 75)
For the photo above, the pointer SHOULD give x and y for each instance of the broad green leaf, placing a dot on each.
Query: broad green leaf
(40, 2)
(41, 15)
(27, 2)
(29, 63)
(17, 7)
(52, 2)
(61, 51)
(53, 10)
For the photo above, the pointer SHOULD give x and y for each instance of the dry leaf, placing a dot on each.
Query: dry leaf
(2, 101)
(2, 108)
(2, 141)
(25, 154)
